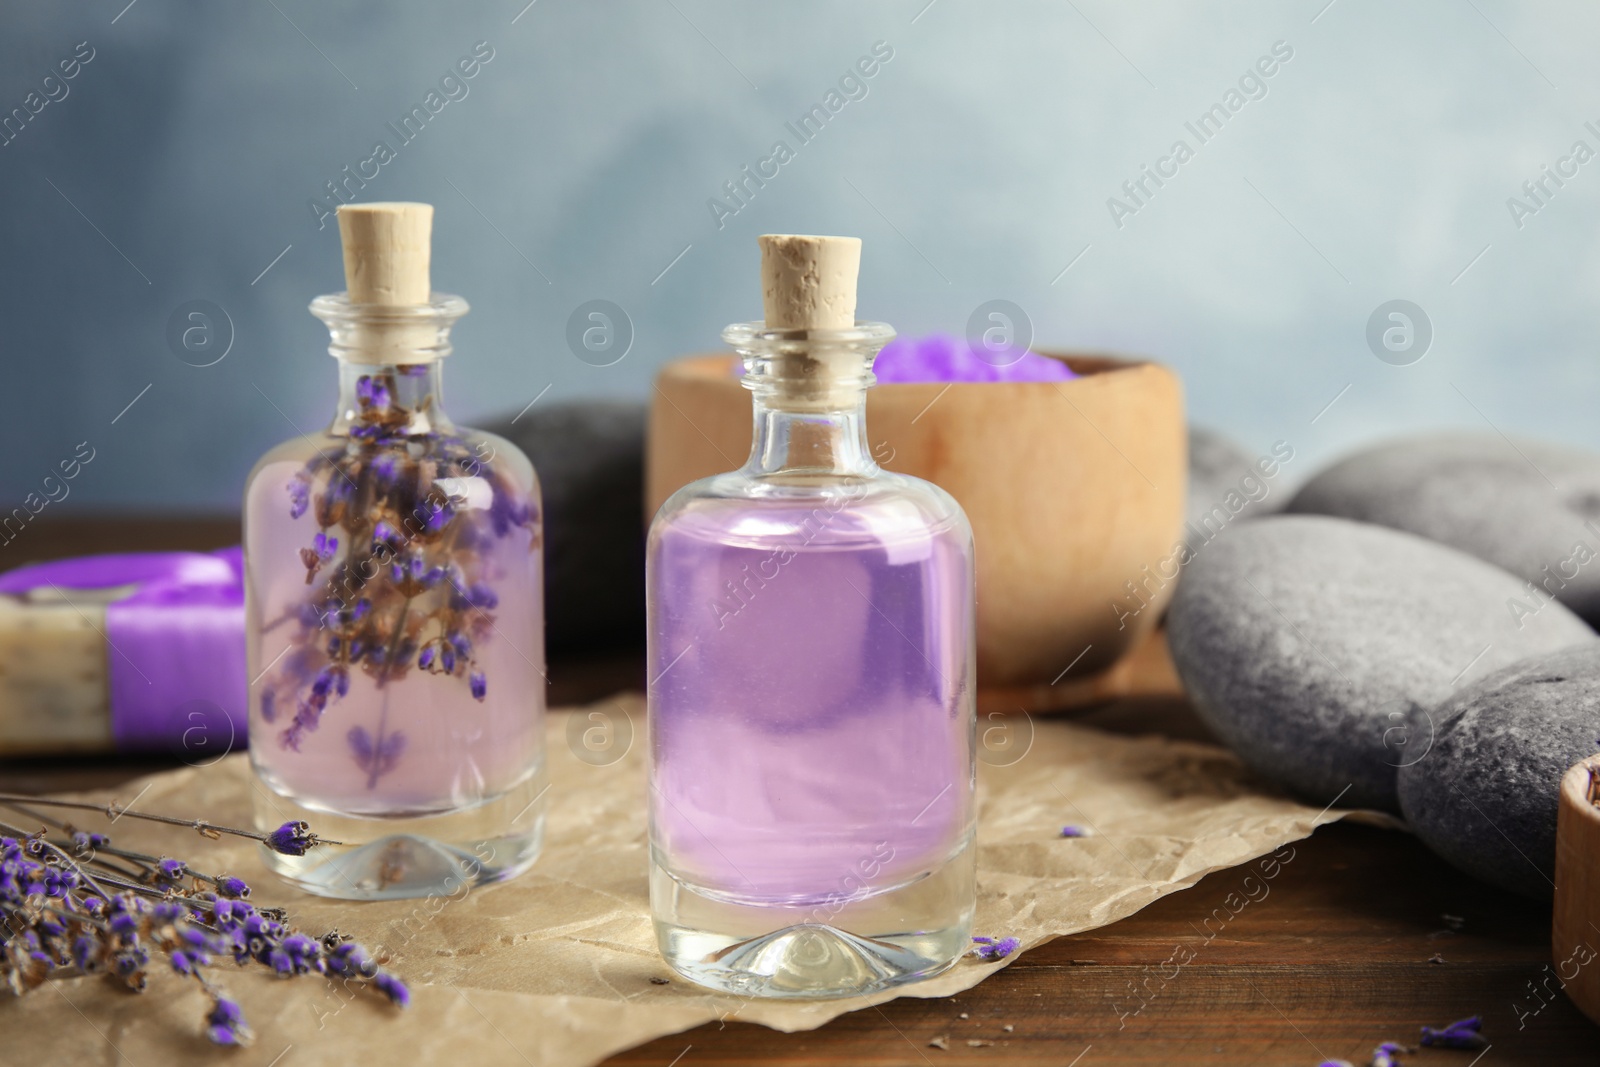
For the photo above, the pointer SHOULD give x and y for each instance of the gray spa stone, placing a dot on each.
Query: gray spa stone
(1311, 645)
(590, 459)
(1228, 484)
(1485, 795)
(1480, 493)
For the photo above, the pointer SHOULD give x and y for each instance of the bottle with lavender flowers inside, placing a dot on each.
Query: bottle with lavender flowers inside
(811, 654)
(395, 605)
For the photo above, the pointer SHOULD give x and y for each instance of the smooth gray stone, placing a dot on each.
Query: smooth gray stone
(1483, 494)
(1311, 646)
(1484, 796)
(590, 459)
(1227, 484)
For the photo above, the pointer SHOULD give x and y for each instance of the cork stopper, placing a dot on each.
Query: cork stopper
(809, 283)
(387, 255)
(387, 250)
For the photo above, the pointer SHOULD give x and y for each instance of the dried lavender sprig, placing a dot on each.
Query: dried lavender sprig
(291, 839)
(51, 928)
(71, 863)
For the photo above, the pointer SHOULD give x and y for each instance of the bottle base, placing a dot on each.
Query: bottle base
(401, 858)
(841, 949)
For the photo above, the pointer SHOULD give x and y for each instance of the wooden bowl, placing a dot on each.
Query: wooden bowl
(1073, 489)
(1575, 930)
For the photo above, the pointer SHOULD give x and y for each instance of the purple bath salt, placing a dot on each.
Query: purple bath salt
(943, 358)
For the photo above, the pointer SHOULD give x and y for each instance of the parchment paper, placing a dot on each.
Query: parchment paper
(555, 966)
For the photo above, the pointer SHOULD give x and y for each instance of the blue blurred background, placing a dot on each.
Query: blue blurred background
(183, 160)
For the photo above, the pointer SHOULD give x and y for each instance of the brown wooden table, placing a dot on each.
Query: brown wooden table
(1364, 937)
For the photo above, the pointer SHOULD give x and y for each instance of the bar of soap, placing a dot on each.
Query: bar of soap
(54, 693)
(140, 651)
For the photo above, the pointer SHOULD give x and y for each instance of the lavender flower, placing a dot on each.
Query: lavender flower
(226, 1025)
(1388, 1054)
(292, 839)
(232, 888)
(990, 950)
(299, 495)
(1463, 1034)
(395, 569)
(1074, 831)
(61, 917)
(394, 989)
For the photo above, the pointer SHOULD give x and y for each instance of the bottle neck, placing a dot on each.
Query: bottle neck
(390, 381)
(390, 400)
(809, 392)
(810, 442)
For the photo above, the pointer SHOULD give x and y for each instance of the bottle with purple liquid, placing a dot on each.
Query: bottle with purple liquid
(811, 669)
(394, 605)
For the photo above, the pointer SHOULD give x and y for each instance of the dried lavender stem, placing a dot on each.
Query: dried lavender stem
(75, 916)
(111, 811)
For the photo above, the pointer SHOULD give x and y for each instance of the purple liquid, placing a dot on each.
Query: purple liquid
(810, 668)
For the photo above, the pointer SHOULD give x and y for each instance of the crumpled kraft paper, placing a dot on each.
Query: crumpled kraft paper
(555, 967)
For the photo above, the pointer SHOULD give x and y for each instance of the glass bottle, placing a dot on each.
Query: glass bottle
(394, 612)
(810, 705)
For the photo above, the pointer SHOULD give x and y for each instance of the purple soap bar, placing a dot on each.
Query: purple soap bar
(944, 358)
(155, 644)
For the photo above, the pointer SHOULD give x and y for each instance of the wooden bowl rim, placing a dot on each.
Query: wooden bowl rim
(1088, 365)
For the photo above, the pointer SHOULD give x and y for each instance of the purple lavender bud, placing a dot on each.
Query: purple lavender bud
(167, 911)
(182, 963)
(85, 954)
(129, 962)
(1073, 831)
(425, 660)
(382, 532)
(341, 682)
(394, 989)
(226, 1025)
(990, 949)
(299, 495)
(463, 647)
(1387, 1055)
(171, 869)
(350, 959)
(479, 684)
(386, 469)
(439, 517)
(292, 839)
(447, 659)
(1461, 1034)
(364, 389)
